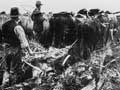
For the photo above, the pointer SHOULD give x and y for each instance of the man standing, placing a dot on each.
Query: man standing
(3, 19)
(38, 8)
(38, 19)
(14, 36)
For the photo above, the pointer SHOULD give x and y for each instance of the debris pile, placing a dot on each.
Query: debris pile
(100, 72)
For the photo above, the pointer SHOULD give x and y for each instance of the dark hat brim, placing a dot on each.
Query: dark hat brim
(14, 15)
(39, 4)
(36, 13)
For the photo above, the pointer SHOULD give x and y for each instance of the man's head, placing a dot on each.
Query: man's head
(93, 12)
(82, 11)
(38, 4)
(14, 13)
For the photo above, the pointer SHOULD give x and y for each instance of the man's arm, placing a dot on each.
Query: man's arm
(19, 31)
(32, 15)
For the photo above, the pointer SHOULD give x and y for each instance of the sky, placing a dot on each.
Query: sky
(60, 5)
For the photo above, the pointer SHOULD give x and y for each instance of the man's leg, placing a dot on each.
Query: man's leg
(5, 78)
(6, 74)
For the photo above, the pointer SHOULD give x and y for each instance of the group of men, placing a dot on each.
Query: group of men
(14, 36)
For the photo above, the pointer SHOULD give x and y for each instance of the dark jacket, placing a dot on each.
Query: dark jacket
(37, 16)
(9, 34)
(0, 36)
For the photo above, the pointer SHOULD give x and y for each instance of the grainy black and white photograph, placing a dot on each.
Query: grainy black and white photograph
(59, 45)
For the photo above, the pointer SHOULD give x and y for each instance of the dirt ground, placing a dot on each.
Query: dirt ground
(100, 72)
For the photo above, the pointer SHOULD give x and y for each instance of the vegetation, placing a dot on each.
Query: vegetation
(100, 72)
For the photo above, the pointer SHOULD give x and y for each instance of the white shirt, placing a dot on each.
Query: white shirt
(21, 36)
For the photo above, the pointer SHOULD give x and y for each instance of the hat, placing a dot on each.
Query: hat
(3, 12)
(14, 12)
(93, 12)
(108, 12)
(38, 3)
(79, 16)
(82, 11)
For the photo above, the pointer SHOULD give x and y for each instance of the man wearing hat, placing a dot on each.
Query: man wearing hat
(94, 13)
(83, 13)
(38, 19)
(14, 36)
(37, 10)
